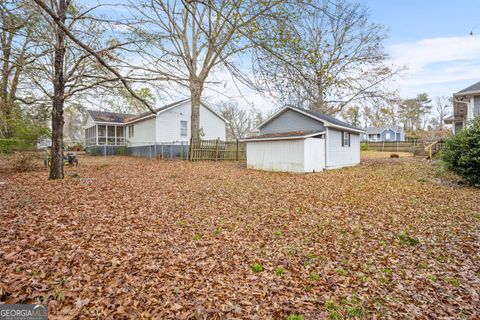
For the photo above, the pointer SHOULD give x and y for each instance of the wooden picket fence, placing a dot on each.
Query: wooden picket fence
(217, 150)
(394, 146)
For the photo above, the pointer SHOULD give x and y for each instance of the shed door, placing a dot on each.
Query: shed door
(314, 154)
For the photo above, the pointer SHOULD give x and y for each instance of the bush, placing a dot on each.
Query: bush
(23, 162)
(461, 153)
(122, 151)
(364, 146)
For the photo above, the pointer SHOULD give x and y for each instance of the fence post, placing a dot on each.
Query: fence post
(105, 151)
(383, 145)
(150, 150)
(155, 149)
(216, 149)
(397, 145)
(238, 156)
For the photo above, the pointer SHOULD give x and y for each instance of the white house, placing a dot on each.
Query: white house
(466, 106)
(170, 125)
(299, 140)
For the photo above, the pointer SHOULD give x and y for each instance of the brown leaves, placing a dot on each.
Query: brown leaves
(146, 239)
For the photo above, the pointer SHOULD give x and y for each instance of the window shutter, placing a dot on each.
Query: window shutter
(343, 138)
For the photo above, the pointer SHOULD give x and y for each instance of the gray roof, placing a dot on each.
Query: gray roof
(330, 119)
(473, 87)
(103, 116)
(378, 130)
(289, 134)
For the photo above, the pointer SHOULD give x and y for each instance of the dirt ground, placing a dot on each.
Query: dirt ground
(124, 237)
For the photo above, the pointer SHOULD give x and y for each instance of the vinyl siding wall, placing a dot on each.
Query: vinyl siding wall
(314, 149)
(143, 133)
(168, 124)
(338, 156)
(291, 120)
(278, 155)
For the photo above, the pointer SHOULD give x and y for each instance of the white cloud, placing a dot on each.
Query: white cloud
(438, 66)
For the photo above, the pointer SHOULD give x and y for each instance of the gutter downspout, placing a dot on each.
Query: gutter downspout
(326, 134)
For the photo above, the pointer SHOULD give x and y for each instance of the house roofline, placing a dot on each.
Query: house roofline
(284, 137)
(152, 115)
(466, 93)
(325, 122)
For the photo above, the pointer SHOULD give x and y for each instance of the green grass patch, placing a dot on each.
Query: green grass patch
(257, 268)
(406, 239)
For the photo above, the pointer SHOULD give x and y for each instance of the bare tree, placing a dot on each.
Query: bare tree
(443, 107)
(330, 58)
(189, 39)
(16, 28)
(240, 122)
(352, 115)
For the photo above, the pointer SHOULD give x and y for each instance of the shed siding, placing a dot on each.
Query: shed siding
(278, 155)
(338, 156)
(314, 160)
(144, 133)
(290, 120)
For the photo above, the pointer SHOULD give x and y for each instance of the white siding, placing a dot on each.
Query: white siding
(338, 156)
(168, 124)
(278, 155)
(144, 133)
(89, 121)
(314, 149)
(213, 126)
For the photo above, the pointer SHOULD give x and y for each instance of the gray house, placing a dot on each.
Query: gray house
(466, 106)
(299, 140)
(385, 133)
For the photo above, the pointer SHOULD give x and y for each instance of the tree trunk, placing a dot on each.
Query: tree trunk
(196, 93)
(56, 169)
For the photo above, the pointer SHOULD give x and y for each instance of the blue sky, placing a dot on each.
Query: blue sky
(433, 39)
(430, 37)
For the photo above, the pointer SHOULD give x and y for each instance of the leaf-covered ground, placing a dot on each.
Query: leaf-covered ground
(126, 237)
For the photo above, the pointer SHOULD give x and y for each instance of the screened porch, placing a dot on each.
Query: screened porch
(105, 135)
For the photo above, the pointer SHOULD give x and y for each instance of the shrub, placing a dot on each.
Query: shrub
(461, 153)
(122, 151)
(363, 146)
(23, 162)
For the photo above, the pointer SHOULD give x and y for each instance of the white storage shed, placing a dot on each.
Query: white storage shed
(298, 140)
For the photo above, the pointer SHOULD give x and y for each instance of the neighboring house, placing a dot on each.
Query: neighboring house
(44, 142)
(299, 140)
(385, 133)
(466, 106)
(169, 126)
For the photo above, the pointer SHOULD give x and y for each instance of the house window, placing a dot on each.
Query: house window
(387, 136)
(131, 132)
(345, 139)
(183, 128)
